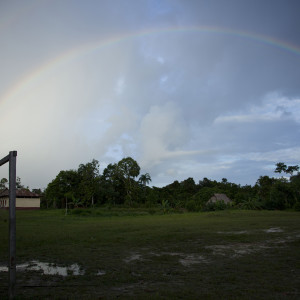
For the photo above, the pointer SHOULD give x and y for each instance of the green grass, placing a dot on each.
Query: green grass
(215, 255)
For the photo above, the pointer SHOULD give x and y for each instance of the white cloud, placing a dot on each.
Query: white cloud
(160, 60)
(120, 86)
(281, 155)
(274, 107)
(162, 132)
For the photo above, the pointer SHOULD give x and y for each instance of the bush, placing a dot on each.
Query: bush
(297, 206)
(152, 199)
(212, 206)
(191, 205)
(274, 203)
(250, 203)
(165, 205)
(81, 211)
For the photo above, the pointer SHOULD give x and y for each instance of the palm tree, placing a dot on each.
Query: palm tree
(145, 179)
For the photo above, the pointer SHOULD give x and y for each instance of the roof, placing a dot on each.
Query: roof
(21, 193)
(219, 197)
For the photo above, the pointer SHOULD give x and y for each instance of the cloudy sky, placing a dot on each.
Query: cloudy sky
(204, 88)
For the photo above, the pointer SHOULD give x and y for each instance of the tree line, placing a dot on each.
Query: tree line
(121, 184)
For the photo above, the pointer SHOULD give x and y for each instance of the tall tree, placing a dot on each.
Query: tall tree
(128, 169)
(295, 186)
(89, 181)
(64, 182)
(112, 185)
(264, 185)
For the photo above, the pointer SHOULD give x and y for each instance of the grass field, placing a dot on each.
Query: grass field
(136, 255)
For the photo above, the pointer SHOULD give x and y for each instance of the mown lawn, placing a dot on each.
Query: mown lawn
(136, 255)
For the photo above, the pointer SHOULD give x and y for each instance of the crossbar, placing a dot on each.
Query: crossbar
(4, 160)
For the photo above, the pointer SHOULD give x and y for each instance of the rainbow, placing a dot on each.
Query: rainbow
(32, 78)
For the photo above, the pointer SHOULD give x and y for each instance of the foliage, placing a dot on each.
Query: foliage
(65, 182)
(3, 183)
(165, 205)
(250, 203)
(295, 187)
(282, 167)
(145, 179)
(81, 211)
(152, 197)
(112, 185)
(297, 206)
(19, 184)
(128, 169)
(89, 179)
(120, 184)
(204, 194)
(212, 206)
(191, 205)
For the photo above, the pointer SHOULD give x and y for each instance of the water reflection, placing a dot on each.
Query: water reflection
(47, 268)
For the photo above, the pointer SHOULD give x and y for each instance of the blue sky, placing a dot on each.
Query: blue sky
(187, 88)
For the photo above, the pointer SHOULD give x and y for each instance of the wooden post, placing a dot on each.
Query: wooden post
(12, 223)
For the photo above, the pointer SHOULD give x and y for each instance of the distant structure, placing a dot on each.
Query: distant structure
(220, 198)
(24, 199)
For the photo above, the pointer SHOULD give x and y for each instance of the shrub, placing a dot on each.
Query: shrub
(297, 206)
(81, 211)
(165, 205)
(212, 206)
(191, 205)
(250, 203)
(151, 211)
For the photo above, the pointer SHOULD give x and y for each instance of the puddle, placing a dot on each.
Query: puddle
(272, 230)
(133, 257)
(3, 269)
(173, 253)
(47, 268)
(237, 250)
(100, 273)
(233, 250)
(219, 249)
(184, 259)
(192, 259)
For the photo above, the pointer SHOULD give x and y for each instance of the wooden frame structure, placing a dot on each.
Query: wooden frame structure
(11, 158)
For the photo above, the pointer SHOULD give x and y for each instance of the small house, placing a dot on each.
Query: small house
(219, 198)
(24, 199)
